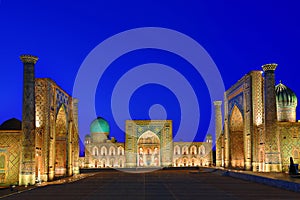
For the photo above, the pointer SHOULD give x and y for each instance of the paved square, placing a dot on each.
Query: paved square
(162, 184)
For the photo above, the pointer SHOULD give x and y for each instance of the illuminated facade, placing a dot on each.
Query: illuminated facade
(148, 143)
(46, 147)
(260, 131)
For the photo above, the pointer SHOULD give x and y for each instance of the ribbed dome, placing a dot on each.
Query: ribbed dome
(285, 96)
(99, 125)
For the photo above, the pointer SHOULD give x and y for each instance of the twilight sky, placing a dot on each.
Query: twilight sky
(239, 36)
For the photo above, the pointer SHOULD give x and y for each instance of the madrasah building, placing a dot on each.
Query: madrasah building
(259, 131)
(44, 146)
(148, 144)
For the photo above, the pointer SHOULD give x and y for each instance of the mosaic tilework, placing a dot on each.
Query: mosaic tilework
(10, 146)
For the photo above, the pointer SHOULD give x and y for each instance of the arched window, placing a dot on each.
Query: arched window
(112, 151)
(193, 150)
(103, 151)
(95, 151)
(193, 162)
(185, 162)
(121, 163)
(185, 150)
(202, 150)
(112, 162)
(176, 150)
(120, 150)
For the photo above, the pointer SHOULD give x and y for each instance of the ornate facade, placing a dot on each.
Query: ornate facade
(260, 131)
(47, 145)
(148, 143)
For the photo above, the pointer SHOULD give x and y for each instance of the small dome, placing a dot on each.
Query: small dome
(209, 138)
(285, 96)
(99, 125)
(11, 124)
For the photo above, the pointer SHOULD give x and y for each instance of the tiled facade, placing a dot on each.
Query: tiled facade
(260, 131)
(149, 143)
(46, 147)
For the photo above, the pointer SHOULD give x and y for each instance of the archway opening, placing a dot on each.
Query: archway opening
(236, 127)
(148, 147)
(61, 143)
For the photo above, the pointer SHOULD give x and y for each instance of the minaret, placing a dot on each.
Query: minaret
(272, 158)
(27, 168)
(218, 125)
(76, 137)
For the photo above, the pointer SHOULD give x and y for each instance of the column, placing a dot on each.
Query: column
(27, 168)
(226, 135)
(272, 158)
(218, 129)
(76, 136)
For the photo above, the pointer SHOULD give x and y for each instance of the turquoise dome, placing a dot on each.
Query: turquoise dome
(99, 125)
(285, 96)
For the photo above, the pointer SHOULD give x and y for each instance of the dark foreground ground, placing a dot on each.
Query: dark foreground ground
(162, 184)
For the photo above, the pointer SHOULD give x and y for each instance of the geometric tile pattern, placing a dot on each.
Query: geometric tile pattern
(161, 128)
(61, 98)
(10, 146)
(266, 144)
(55, 122)
(289, 142)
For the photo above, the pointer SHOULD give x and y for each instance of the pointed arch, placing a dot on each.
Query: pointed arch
(202, 150)
(95, 151)
(236, 134)
(185, 150)
(112, 151)
(112, 162)
(148, 146)
(176, 150)
(193, 161)
(61, 141)
(103, 151)
(120, 150)
(121, 162)
(193, 150)
(185, 162)
(104, 163)
(148, 137)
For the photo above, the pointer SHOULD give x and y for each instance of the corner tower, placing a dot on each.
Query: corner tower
(272, 154)
(218, 125)
(27, 168)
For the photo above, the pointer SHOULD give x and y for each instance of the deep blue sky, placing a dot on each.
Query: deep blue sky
(239, 36)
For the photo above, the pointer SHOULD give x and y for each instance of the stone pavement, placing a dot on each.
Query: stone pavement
(280, 180)
(272, 175)
(8, 191)
(161, 184)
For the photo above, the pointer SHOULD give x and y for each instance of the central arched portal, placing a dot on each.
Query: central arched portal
(61, 143)
(236, 127)
(148, 147)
